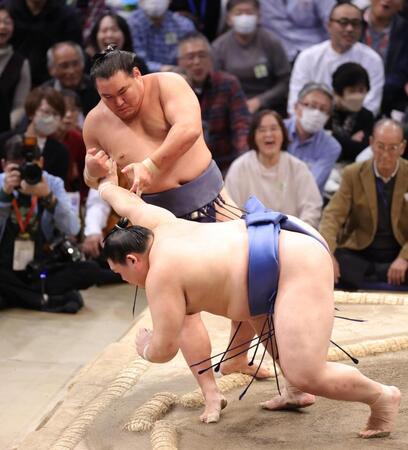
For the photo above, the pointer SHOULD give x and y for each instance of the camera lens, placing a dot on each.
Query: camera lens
(31, 173)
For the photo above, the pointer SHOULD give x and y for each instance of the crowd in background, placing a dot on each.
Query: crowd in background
(292, 93)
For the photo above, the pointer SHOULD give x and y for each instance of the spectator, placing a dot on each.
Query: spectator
(386, 32)
(205, 17)
(73, 110)
(308, 140)
(366, 221)
(351, 124)
(15, 79)
(254, 55)
(96, 218)
(45, 109)
(112, 29)
(38, 25)
(31, 276)
(72, 139)
(224, 112)
(279, 180)
(156, 32)
(66, 65)
(298, 24)
(317, 63)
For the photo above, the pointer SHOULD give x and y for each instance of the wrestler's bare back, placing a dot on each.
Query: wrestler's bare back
(211, 266)
(136, 139)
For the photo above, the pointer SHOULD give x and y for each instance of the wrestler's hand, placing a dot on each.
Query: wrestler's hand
(140, 176)
(142, 339)
(397, 270)
(97, 163)
(336, 270)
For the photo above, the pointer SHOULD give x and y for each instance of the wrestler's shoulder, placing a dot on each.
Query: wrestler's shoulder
(163, 78)
(98, 113)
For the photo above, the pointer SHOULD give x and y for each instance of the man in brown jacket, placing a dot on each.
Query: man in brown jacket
(366, 221)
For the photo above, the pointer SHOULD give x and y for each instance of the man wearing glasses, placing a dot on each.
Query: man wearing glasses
(308, 140)
(317, 63)
(370, 214)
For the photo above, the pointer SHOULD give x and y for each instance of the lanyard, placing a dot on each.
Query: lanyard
(21, 224)
(193, 8)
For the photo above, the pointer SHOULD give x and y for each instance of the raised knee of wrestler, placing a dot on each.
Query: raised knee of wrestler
(305, 379)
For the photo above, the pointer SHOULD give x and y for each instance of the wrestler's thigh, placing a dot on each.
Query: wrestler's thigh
(304, 309)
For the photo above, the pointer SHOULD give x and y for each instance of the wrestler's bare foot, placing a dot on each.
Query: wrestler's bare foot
(214, 403)
(240, 365)
(383, 414)
(290, 399)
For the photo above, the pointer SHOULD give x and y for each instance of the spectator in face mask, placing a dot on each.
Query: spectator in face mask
(155, 33)
(255, 56)
(308, 140)
(45, 109)
(351, 123)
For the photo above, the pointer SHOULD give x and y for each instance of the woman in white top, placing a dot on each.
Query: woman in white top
(279, 180)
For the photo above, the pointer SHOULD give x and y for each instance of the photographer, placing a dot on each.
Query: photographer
(39, 267)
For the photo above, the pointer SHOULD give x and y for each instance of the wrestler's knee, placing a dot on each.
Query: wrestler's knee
(306, 379)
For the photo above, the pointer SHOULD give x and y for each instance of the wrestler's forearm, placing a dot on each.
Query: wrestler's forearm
(121, 200)
(180, 139)
(90, 181)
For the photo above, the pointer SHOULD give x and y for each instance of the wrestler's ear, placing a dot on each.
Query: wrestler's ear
(131, 259)
(136, 72)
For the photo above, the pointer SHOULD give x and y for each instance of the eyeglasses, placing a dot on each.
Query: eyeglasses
(321, 108)
(344, 22)
(190, 57)
(67, 64)
(391, 148)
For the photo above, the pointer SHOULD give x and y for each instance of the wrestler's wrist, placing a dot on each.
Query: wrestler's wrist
(103, 186)
(145, 350)
(150, 166)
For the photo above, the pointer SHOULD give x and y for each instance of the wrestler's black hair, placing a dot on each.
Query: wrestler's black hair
(111, 61)
(256, 121)
(121, 241)
(349, 74)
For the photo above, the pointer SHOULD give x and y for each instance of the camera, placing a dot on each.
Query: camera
(61, 252)
(30, 171)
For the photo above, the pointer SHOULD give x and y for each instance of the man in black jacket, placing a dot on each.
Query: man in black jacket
(38, 25)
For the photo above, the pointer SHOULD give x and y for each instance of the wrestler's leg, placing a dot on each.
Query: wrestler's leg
(303, 325)
(195, 346)
(291, 398)
(240, 363)
(245, 332)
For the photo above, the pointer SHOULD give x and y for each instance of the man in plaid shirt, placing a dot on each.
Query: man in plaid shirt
(156, 32)
(224, 111)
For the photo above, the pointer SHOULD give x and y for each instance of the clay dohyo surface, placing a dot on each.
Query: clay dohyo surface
(326, 425)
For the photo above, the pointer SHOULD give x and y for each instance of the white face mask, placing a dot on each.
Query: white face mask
(154, 8)
(244, 23)
(46, 124)
(353, 102)
(313, 120)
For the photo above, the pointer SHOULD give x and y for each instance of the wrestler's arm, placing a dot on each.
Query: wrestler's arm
(130, 205)
(183, 113)
(92, 145)
(168, 308)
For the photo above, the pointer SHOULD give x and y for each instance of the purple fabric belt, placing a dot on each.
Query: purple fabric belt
(188, 198)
